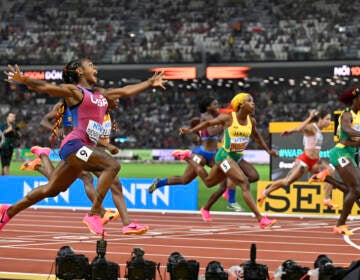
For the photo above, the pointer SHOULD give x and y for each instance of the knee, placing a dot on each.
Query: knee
(114, 166)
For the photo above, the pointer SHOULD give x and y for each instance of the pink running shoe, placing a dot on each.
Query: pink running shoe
(4, 217)
(205, 214)
(226, 194)
(134, 228)
(38, 151)
(181, 154)
(94, 224)
(265, 222)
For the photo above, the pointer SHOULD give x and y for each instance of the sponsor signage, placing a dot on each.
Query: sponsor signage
(181, 197)
(302, 198)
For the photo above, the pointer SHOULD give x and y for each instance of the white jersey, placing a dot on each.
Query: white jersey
(314, 141)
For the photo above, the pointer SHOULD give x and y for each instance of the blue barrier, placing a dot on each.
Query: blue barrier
(181, 197)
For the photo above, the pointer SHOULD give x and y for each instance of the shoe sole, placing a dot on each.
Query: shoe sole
(92, 231)
(153, 187)
(137, 232)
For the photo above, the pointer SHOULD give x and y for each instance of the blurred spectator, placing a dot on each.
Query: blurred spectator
(10, 135)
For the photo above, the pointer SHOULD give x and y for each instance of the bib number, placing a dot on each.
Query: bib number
(84, 153)
(94, 130)
(225, 166)
(196, 159)
(343, 161)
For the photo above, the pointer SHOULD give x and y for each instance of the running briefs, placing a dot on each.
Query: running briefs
(70, 147)
(341, 154)
(309, 162)
(207, 155)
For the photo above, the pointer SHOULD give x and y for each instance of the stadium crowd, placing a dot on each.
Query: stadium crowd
(133, 32)
(152, 119)
(139, 31)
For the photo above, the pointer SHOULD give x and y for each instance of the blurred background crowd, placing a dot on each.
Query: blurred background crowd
(179, 31)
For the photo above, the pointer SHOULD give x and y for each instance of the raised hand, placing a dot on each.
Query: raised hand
(14, 75)
(157, 80)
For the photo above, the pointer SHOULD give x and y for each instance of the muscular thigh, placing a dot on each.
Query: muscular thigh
(91, 159)
(63, 176)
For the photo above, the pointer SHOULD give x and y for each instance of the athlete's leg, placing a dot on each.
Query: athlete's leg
(98, 160)
(62, 177)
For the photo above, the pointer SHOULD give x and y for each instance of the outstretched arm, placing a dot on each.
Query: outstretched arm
(222, 119)
(65, 90)
(302, 126)
(155, 81)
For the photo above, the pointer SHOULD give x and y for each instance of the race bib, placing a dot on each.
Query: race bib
(84, 153)
(196, 159)
(238, 144)
(94, 130)
(106, 130)
(343, 161)
(225, 166)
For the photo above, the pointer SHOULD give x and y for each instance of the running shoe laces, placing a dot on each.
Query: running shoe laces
(205, 214)
(266, 223)
(181, 154)
(110, 216)
(153, 186)
(38, 151)
(329, 203)
(4, 215)
(343, 230)
(134, 228)
(319, 177)
(94, 224)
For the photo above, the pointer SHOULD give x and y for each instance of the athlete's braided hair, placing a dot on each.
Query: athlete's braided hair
(58, 120)
(70, 75)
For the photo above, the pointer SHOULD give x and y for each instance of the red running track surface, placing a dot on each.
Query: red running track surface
(30, 242)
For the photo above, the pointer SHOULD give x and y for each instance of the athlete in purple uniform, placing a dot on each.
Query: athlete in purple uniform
(78, 150)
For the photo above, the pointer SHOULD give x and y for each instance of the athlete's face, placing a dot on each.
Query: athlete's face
(325, 122)
(249, 104)
(356, 103)
(89, 71)
(214, 106)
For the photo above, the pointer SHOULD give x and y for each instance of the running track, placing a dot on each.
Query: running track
(30, 242)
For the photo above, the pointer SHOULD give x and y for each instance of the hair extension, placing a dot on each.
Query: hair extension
(70, 75)
(58, 120)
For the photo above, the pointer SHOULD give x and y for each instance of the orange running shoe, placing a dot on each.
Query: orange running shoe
(329, 203)
(343, 230)
(319, 177)
(31, 164)
(110, 216)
